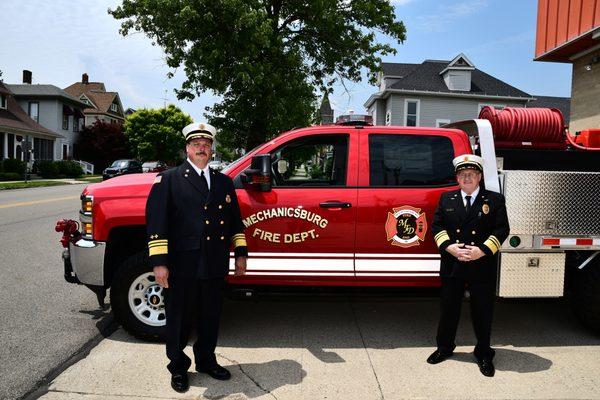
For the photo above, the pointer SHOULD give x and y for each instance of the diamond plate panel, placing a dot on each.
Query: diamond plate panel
(518, 278)
(553, 203)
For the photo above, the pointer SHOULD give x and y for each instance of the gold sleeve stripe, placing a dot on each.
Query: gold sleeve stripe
(441, 237)
(158, 250)
(158, 241)
(237, 242)
(239, 235)
(440, 233)
(491, 244)
(496, 241)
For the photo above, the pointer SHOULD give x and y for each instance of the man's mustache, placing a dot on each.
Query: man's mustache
(201, 153)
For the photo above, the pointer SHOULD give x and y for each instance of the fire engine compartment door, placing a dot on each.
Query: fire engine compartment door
(401, 177)
(305, 226)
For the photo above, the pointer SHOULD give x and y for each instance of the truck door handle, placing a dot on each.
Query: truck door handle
(335, 204)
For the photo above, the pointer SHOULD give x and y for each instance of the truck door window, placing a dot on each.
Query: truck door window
(410, 160)
(319, 160)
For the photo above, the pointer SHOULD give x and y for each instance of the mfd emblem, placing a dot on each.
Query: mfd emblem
(485, 208)
(406, 226)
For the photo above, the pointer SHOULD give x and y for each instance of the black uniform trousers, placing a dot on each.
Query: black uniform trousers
(192, 302)
(482, 297)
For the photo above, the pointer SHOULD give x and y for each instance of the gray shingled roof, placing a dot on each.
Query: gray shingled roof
(562, 103)
(397, 69)
(26, 90)
(326, 106)
(426, 77)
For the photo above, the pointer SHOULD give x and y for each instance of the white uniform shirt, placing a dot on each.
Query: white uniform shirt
(473, 197)
(206, 172)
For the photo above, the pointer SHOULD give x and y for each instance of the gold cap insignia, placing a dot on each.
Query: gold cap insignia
(485, 208)
(201, 126)
(228, 199)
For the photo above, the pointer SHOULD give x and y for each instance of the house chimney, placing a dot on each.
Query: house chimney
(27, 76)
(84, 79)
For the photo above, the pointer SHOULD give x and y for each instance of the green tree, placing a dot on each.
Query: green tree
(265, 58)
(155, 134)
(101, 143)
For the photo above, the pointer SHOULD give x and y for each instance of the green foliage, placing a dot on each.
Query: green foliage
(48, 169)
(155, 134)
(70, 169)
(265, 58)
(10, 176)
(14, 165)
(101, 144)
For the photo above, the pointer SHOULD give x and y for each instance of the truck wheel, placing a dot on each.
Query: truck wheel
(586, 295)
(137, 300)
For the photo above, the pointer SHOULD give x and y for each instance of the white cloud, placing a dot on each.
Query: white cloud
(446, 15)
(60, 40)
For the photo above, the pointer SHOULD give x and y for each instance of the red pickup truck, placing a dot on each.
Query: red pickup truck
(346, 205)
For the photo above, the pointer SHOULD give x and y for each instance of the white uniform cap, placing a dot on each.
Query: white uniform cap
(199, 130)
(468, 161)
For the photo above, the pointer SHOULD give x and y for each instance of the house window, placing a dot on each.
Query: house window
(75, 124)
(34, 111)
(114, 107)
(65, 154)
(2, 101)
(65, 125)
(388, 118)
(440, 122)
(411, 112)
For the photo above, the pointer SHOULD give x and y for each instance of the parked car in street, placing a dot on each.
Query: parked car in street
(122, 167)
(154, 166)
(218, 165)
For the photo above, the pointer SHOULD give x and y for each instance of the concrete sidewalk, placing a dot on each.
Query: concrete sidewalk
(353, 348)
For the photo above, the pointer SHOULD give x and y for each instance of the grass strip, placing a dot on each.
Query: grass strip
(30, 184)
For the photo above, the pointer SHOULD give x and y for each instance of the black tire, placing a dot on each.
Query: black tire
(585, 294)
(131, 270)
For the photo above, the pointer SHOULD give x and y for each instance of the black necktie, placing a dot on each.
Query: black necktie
(468, 198)
(203, 182)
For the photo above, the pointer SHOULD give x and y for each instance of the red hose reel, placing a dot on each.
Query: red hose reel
(539, 128)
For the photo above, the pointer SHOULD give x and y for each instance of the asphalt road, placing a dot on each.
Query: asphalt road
(45, 320)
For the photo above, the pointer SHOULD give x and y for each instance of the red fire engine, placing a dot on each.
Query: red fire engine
(351, 205)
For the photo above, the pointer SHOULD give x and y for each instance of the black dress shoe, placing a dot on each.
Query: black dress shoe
(437, 357)
(180, 382)
(215, 371)
(486, 366)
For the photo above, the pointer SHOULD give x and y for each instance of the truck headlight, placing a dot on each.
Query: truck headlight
(85, 216)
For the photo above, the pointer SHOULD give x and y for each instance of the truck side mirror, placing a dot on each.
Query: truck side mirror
(258, 176)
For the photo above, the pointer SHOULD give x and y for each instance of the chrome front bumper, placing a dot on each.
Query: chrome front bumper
(85, 259)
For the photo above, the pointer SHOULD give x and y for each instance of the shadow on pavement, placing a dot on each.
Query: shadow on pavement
(323, 324)
(511, 360)
(274, 374)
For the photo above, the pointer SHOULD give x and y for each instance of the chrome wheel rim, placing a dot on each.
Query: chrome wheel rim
(146, 300)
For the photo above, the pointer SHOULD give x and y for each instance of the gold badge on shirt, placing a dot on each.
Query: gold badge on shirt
(228, 199)
(485, 208)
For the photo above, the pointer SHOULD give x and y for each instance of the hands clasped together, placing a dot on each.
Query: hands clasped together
(465, 253)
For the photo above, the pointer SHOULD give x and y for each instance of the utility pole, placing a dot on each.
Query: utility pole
(165, 99)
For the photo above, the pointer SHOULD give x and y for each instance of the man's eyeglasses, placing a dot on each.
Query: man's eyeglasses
(467, 175)
(200, 145)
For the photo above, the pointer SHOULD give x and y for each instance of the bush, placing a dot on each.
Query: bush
(47, 169)
(70, 169)
(14, 165)
(10, 176)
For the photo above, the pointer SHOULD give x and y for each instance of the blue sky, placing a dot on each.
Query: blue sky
(61, 39)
